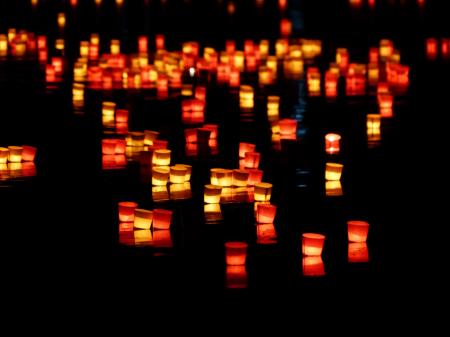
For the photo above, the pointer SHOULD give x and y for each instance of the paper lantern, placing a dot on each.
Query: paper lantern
(236, 253)
(266, 234)
(252, 159)
(373, 73)
(28, 153)
(60, 45)
(212, 194)
(272, 63)
(342, 59)
(281, 47)
(162, 218)
(333, 171)
(61, 20)
(264, 46)
(265, 213)
(373, 56)
(150, 137)
(108, 111)
(385, 102)
(312, 244)
(254, 177)
(3, 45)
(246, 97)
(160, 176)
(331, 84)
(108, 146)
(282, 5)
(221, 177)
(273, 105)
(50, 73)
(357, 231)
(373, 127)
(312, 266)
(287, 127)
(265, 76)
(386, 49)
(120, 148)
(445, 48)
(431, 48)
(161, 157)
(333, 188)
(126, 211)
(358, 252)
(180, 191)
(160, 41)
(332, 143)
(142, 218)
(285, 27)
(162, 85)
(240, 178)
(4, 155)
(263, 192)
(177, 174)
(313, 80)
(236, 277)
(245, 147)
(15, 154)
(187, 175)
(235, 78)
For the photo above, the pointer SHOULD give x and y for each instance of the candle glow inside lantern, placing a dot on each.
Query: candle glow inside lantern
(3, 45)
(312, 266)
(177, 174)
(161, 157)
(236, 277)
(136, 139)
(265, 213)
(142, 218)
(126, 211)
(244, 148)
(333, 171)
(342, 59)
(212, 194)
(385, 103)
(332, 143)
(221, 177)
(254, 177)
(150, 137)
(162, 239)
(61, 20)
(281, 48)
(160, 176)
(313, 80)
(358, 252)
(252, 159)
(357, 231)
(235, 253)
(312, 244)
(265, 76)
(246, 97)
(333, 189)
(263, 192)
(50, 73)
(240, 178)
(273, 105)
(162, 218)
(386, 49)
(188, 172)
(28, 153)
(108, 111)
(287, 127)
(15, 154)
(373, 127)
(331, 83)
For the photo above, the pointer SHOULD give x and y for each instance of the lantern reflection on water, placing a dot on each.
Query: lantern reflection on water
(162, 238)
(357, 231)
(108, 111)
(312, 244)
(358, 252)
(313, 81)
(273, 104)
(4, 154)
(213, 213)
(333, 188)
(236, 277)
(313, 266)
(142, 237)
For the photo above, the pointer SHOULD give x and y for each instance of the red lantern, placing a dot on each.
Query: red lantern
(285, 27)
(50, 74)
(357, 231)
(108, 146)
(254, 177)
(223, 73)
(331, 83)
(266, 234)
(252, 159)
(313, 266)
(93, 51)
(235, 78)
(358, 252)
(245, 147)
(332, 141)
(287, 127)
(126, 211)
(122, 116)
(282, 4)
(162, 238)
(265, 213)
(312, 244)
(236, 277)
(28, 153)
(42, 42)
(432, 48)
(200, 93)
(190, 135)
(57, 63)
(445, 48)
(230, 46)
(385, 102)
(143, 44)
(162, 85)
(160, 42)
(121, 146)
(162, 218)
(236, 253)
(373, 55)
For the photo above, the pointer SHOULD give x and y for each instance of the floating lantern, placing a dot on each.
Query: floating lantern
(136, 139)
(142, 218)
(235, 78)
(162, 218)
(28, 153)
(245, 147)
(160, 193)
(212, 194)
(310, 48)
(312, 266)
(236, 253)
(254, 177)
(265, 76)
(240, 178)
(108, 146)
(273, 106)
(281, 48)
(180, 191)
(108, 111)
(221, 177)
(59, 45)
(373, 127)
(126, 211)
(264, 46)
(213, 213)
(373, 73)
(160, 42)
(386, 49)
(331, 83)
(15, 154)
(246, 97)
(78, 94)
(265, 234)
(122, 117)
(373, 56)
(445, 48)
(357, 231)
(432, 48)
(161, 157)
(252, 159)
(4, 154)
(263, 192)
(312, 244)
(186, 90)
(333, 171)
(313, 80)
(358, 252)
(333, 189)
(3, 45)
(265, 213)
(177, 174)
(342, 59)
(272, 63)
(162, 239)
(150, 137)
(385, 102)
(143, 44)
(332, 141)
(236, 277)
(287, 126)
(120, 146)
(50, 73)
(188, 172)
(61, 20)
(285, 27)
(160, 176)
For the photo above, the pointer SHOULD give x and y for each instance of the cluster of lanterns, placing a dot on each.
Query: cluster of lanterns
(435, 47)
(17, 161)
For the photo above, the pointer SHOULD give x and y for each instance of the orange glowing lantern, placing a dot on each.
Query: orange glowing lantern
(177, 174)
(142, 238)
(254, 177)
(265, 233)
(3, 45)
(15, 154)
(272, 63)
(50, 74)
(246, 97)
(333, 171)
(312, 266)
(162, 85)
(312, 244)
(4, 154)
(236, 277)
(373, 73)
(61, 20)
(115, 47)
(162, 218)
(373, 127)
(60, 45)
(385, 102)
(386, 49)
(212, 194)
(273, 104)
(120, 147)
(240, 178)
(150, 137)
(445, 48)
(331, 83)
(358, 252)
(263, 192)
(265, 76)
(235, 78)
(432, 48)
(252, 159)
(332, 141)
(190, 135)
(188, 172)
(373, 55)
(78, 94)
(93, 51)
(122, 116)
(221, 177)
(246, 147)
(285, 27)
(357, 231)
(313, 80)
(160, 41)
(342, 59)
(143, 44)
(264, 47)
(265, 213)
(239, 59)
(126, 211)
(160, 176)
(108, 146)
(236, 253)
(333, 189)
(108, 111)
(287, 126)
(42, 42)
(249, 47)
(142, 218)
(73, 3)
(161, 157)
(281, 47)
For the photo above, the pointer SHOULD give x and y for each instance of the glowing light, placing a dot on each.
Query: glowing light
(263, 192)
(312, 266)
(312, 244)
(332, 143)
(357, 231)
(142, 218)
(236, 253)
(333, 171)
(126, 211)
(162, 218)
(265, 213)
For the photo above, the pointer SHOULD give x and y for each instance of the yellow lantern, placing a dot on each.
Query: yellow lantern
(115, 47)
(150, 137)
(373, 74)
(240, 178)
(15, 154)
(187, 175)
(108, 111)
(142, 218)
(3, 45)
(160, 193)
(136, 139)
(84, 49)
(160, 176)
(272, 63)
(265, 76)
(373, 127)
(239, 60)
(333, 188)
(213, 213)
(4, 154)
(273, 105)
(311, 48)
(263, 192)
(246, 97)
(281, 47)
(177, 174)
(221, 177)
(61, 20)
(161, 157)
(333, 171)
(78, 94)
(59, 45)
(264, 46)
(212, 194)
(186, 90)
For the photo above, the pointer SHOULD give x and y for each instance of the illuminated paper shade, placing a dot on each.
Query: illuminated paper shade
(235, 253)
(357, 231)
(162, 218)
(142, 218)
(312, 244)
(126, 211)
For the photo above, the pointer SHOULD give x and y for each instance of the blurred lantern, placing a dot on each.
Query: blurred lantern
(312, 266)
(161, 157)
(4, 154)
(61, 20)
(236, 277)
(272, 63)
(287, 126)
(285, 27)
(108, 146)
(333, 188)
(265, 213)
(235, 78)
(115, 47)
(177, 174)
(431, 48)
(78, 94)
(108, 111)
(150, 137)
(126, 211)
(333, 171)
(263, 192)
(313, 80)
(265, 76)
(312, 244)
(358, 252)
(246, 97)
(254, 177)
(273, 106)
(136, 139)
(162, 85)
(240, 178)
(342, 59)
(373, 127)
(160, 42)
(373, 55)
(143, 44)
(162, 218)
(212, 194)
(50, 74)
(311, 48)
(265, 234)
(142, 218)
(245, 147)
(252, 159)
(120, 147)
(373, 73)
(188, 172)
(385, 102)
(60, 45)
(357, 231)
(386, 49)
(162, 239)
(236, 253)
(142, 238)
(15, 154)
(160, 176)
(264, 46)
(445, 48)
(57, 63)
(221, 177)
(332, 141)
(3, 45)
(122, 116)
(331, 83)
